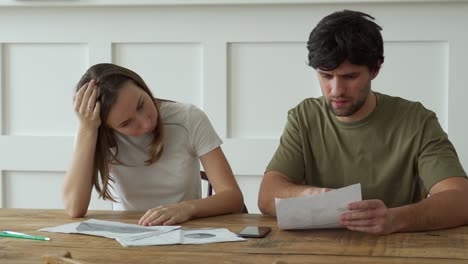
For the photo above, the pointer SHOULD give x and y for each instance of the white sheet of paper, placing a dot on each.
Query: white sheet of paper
(136, 235)
(110, 229)
(316, 211)
(185, 236)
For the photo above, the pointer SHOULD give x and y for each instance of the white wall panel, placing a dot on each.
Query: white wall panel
(2, 189)
(244, 64)
(265, 81)
(250, 184)
(458, 93)
(417, 71)
(171, 70)
(38, 87)
(214, 84)
(2, 90)
(32, 189)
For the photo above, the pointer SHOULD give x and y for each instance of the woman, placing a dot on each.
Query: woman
(147, 152)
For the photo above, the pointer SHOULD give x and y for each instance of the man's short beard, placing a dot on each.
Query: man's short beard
(352, 109)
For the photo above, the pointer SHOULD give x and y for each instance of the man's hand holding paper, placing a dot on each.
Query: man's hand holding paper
(371, 216)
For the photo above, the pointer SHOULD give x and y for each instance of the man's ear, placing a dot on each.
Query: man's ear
(376, 71)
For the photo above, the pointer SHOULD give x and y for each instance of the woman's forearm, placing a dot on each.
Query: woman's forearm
(79, 177)
(225, 202)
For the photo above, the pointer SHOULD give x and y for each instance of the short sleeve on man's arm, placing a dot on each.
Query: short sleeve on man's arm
(288, 158)
(438, 159)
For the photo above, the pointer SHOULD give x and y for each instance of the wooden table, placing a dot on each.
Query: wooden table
(301, 246)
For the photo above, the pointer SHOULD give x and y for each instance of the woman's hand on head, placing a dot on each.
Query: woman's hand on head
(167, 214)
(86, 107)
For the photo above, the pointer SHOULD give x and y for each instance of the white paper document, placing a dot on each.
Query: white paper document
(316, 211)
(184, 236)
(136, 235)
(110, 229)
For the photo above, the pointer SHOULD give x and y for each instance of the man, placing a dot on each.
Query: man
(395, 148)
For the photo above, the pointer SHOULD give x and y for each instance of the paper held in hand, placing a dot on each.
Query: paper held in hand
(316, 211)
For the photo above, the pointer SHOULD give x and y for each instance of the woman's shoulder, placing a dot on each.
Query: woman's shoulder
(178, 112)
(177, 108)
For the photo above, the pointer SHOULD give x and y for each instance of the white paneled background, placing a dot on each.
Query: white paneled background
(243, 63)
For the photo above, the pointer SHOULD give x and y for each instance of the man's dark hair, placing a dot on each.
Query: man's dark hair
(346, 35)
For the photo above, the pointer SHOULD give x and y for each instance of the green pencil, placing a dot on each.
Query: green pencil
(25, 236)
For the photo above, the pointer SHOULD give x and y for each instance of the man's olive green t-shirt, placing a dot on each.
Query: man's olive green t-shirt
(390, 152)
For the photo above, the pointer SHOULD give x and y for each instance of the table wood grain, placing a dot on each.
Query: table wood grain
(299, 246)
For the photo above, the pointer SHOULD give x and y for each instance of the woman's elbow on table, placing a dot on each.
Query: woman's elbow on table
(76, 213)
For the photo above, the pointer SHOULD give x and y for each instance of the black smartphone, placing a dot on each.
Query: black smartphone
(254, 231)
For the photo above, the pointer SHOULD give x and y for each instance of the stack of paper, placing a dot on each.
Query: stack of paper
(136, 235)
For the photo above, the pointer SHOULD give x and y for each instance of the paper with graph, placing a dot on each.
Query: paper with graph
(136, 235)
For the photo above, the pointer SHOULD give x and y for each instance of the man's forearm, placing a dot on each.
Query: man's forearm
(266, 202)
(276, 185)
(442, 210)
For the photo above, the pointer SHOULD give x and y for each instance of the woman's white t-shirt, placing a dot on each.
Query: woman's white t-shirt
(175, 177)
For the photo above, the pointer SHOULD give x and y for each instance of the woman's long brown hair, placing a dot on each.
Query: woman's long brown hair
(109, 79)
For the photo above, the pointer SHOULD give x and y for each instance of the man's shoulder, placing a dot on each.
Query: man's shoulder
(405, 107)
(309, 106)
(308, 112)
